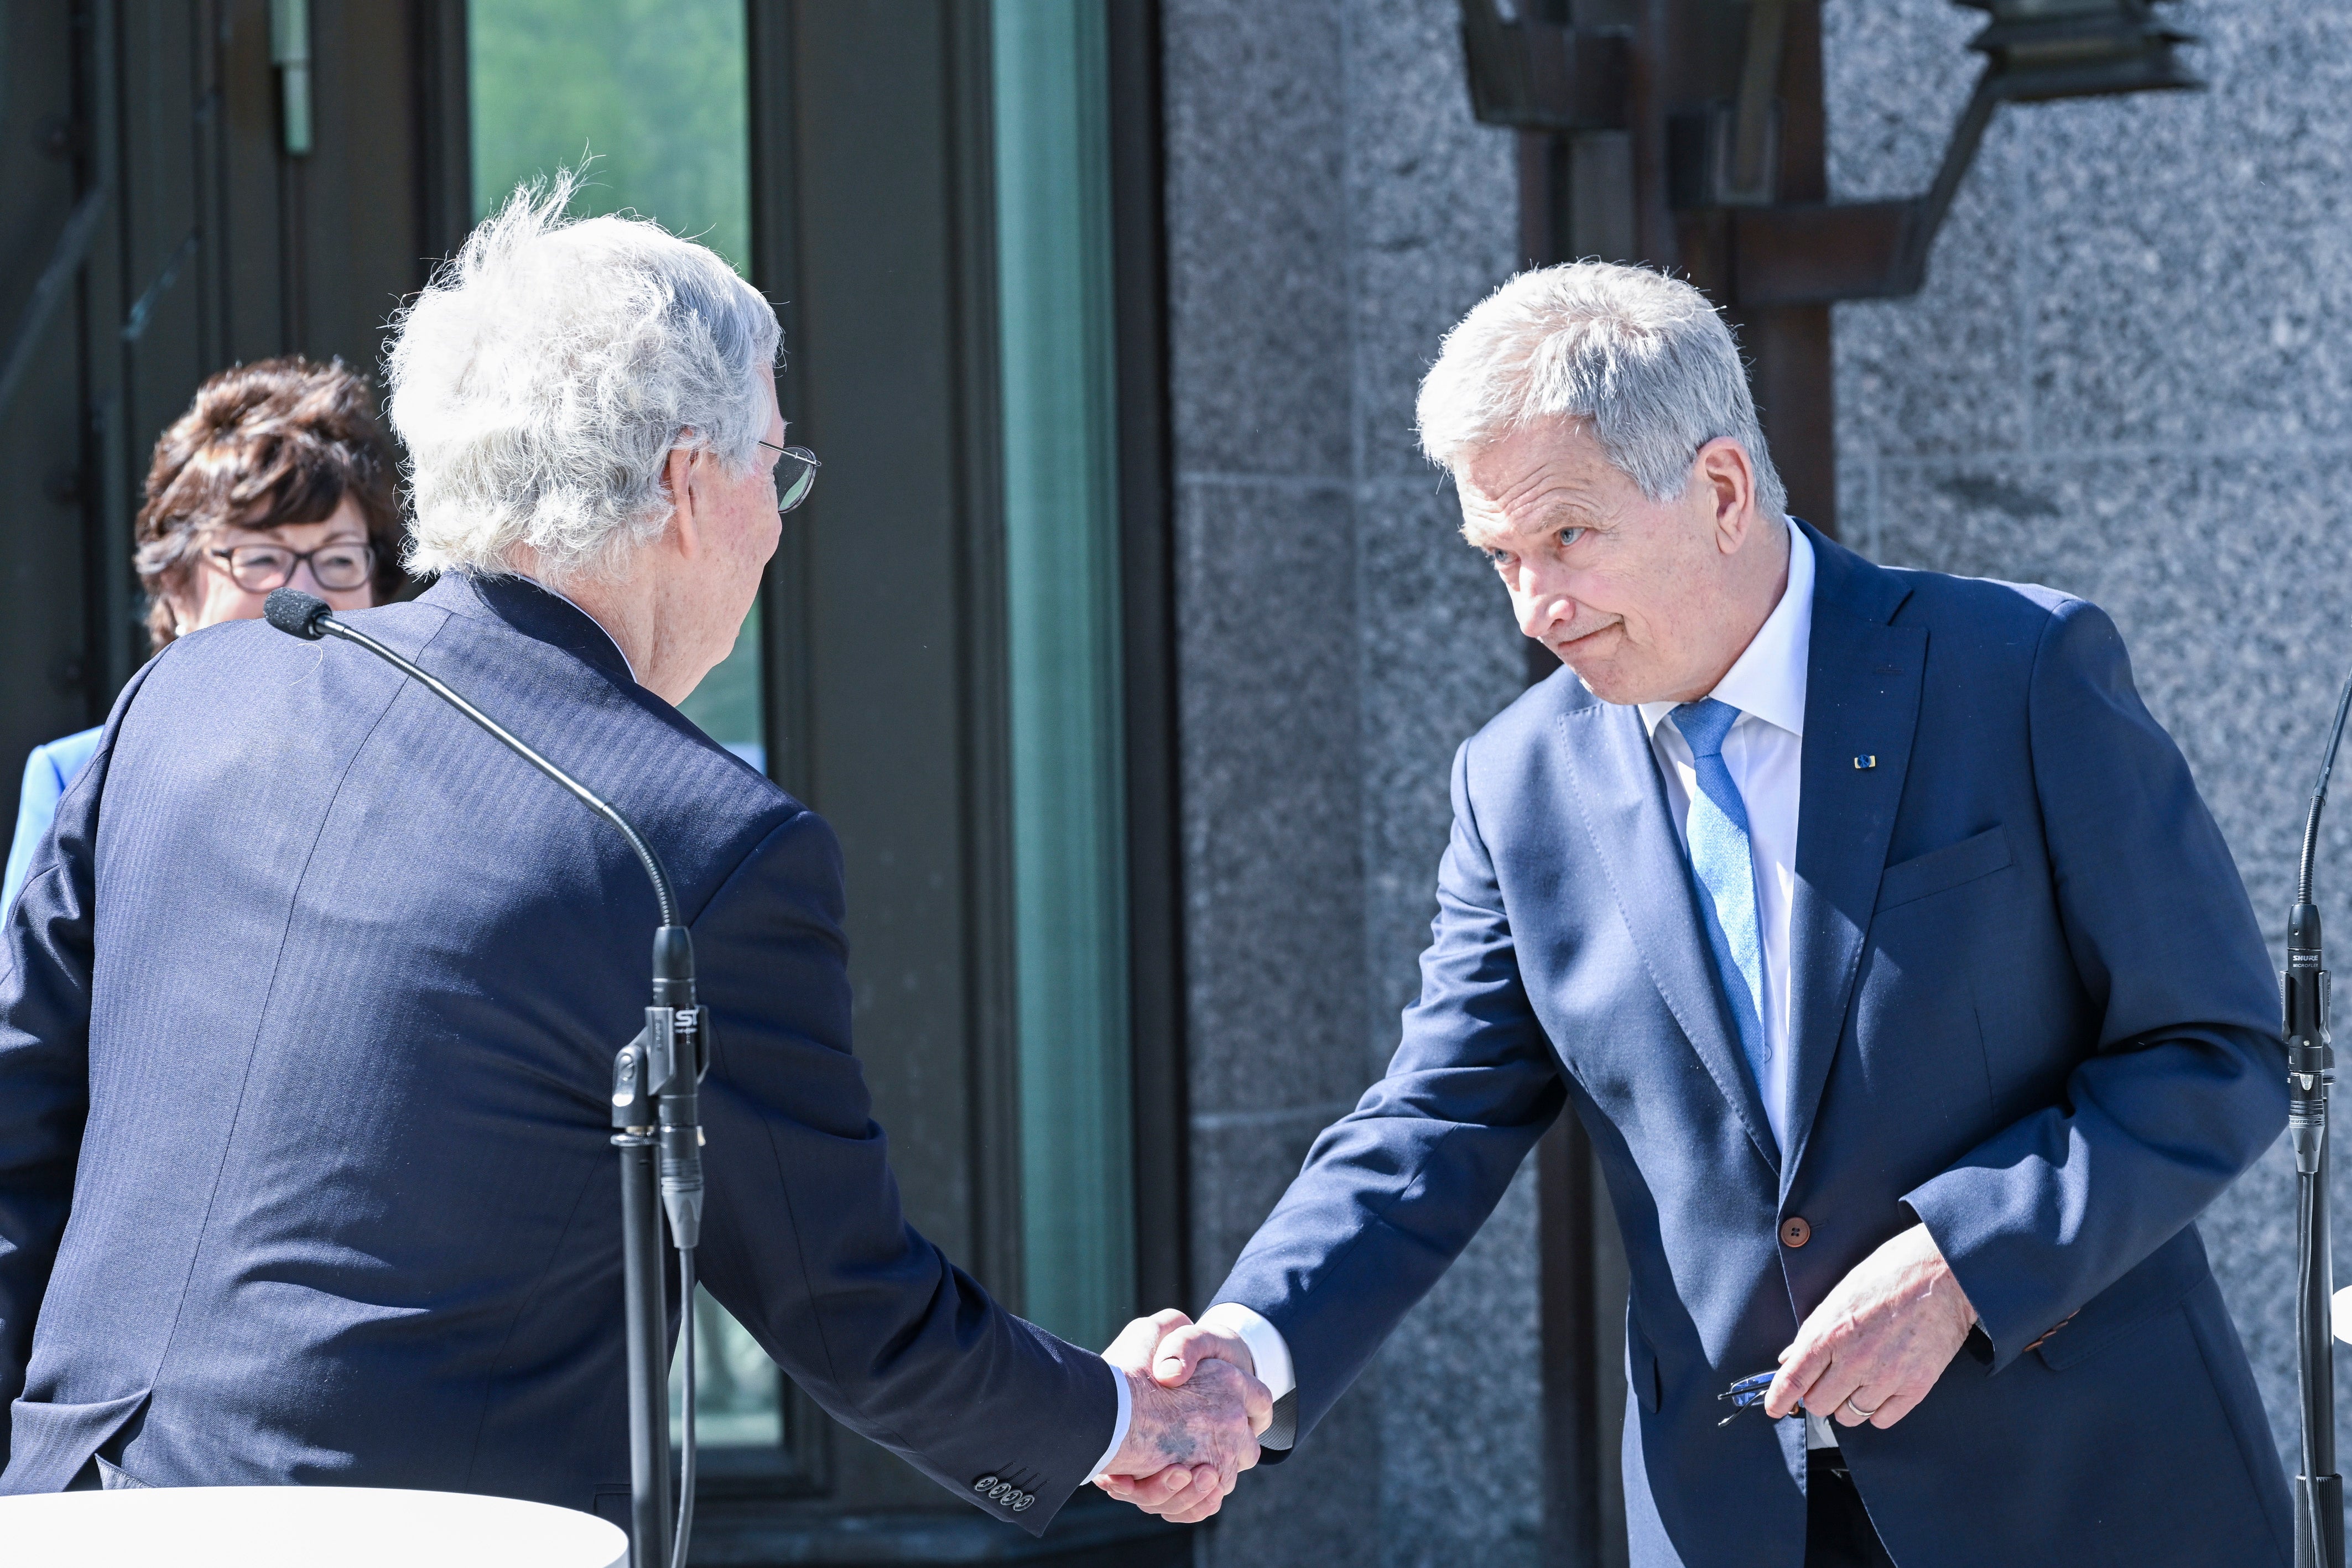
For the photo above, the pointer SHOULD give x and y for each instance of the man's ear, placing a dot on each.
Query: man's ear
(685, 532)
(1729, 488)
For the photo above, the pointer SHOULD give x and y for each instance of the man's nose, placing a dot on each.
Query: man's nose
(1542, 607)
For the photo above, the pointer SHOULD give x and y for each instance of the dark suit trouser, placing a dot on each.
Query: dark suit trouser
(1838, 1532)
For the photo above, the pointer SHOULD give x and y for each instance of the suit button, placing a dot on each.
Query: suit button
(1795, 1231)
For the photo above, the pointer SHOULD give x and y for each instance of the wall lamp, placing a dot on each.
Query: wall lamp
(1722, 160)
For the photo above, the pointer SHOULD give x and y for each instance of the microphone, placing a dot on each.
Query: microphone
(655, 1107)
(296, 614)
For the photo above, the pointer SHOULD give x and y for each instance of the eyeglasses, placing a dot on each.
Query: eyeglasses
(795, 474)
(1747, 1394)
(258, 569)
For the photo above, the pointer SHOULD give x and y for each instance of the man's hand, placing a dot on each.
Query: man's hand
(1133, 1349)
(1185, 1346)
(1189, 1440)
(1877, 1344)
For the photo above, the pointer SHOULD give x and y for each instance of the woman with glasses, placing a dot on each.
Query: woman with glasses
(277, 473)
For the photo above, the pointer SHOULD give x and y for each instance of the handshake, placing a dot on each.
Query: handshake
(1196, 1410)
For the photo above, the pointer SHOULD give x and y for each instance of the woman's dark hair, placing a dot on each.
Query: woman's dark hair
(265, 445)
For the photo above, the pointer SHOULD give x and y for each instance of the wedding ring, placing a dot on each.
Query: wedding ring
(1858, 1410)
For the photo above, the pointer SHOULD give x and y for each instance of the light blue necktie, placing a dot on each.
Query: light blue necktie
(1718, 831)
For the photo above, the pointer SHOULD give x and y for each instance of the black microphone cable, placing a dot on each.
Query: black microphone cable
(2311, 1067)
(667, 1058)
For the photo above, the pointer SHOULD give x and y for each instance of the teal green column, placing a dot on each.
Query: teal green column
(1062, 584)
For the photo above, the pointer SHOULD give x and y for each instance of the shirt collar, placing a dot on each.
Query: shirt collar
(1768, 679)
(558, 593)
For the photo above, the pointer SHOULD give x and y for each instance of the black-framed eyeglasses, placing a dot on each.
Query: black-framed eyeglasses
(337, 567)
(795, 473)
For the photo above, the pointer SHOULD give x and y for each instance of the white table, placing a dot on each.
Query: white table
(300, 1527)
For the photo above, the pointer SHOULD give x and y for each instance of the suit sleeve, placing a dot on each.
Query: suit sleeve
(45, 953)
(1392, 1192)
(2185, 1084)
(804, 1240)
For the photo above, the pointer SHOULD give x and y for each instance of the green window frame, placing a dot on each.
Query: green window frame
(1058, 389)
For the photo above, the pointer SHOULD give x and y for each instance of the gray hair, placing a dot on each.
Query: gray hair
(541, 379)
(1643, 358)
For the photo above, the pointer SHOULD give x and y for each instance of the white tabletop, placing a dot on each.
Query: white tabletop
(300, 1527)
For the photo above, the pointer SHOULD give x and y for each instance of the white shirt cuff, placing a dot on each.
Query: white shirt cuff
(1118, 1428)
(1266, 1345)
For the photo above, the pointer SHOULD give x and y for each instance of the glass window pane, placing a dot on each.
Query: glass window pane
(657, 89)
(1062, 647)
(738, 1391)
(726, 706)
(658, 92)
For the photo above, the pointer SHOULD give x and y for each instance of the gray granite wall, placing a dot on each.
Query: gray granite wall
(2126, 378)
(1331, 210)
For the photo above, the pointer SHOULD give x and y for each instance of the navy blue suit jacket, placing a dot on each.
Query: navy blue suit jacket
(307, 1021)
(2031, 1007)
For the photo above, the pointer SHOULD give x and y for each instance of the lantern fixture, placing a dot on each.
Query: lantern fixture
(2036, 50)
(1721, 160)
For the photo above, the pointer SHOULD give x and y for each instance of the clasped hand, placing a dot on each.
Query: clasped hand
(1198, 1409)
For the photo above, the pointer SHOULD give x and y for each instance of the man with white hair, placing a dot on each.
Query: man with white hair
(309, 1006)
(1879, 939)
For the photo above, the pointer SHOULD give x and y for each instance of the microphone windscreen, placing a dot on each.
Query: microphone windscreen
(297, 614)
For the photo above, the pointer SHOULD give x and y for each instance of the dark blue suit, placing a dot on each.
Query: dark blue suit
(307, 1022)
(2031, 1007)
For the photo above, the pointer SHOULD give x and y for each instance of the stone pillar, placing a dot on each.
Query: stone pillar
(1331, 210)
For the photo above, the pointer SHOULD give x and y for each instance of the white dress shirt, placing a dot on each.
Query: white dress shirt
(1118, 1427)
(1765, 754)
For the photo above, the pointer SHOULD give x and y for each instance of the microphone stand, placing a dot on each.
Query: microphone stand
(2311, 1067)
(657, 1131)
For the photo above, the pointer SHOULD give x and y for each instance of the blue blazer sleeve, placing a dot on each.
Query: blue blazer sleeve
(803, 1237)
(2186, 1084)
(1392, 1192)
(49, 771)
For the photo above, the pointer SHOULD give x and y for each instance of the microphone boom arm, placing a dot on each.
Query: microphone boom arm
(328, 625)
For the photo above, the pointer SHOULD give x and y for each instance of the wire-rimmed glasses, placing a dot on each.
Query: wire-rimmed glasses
(795, 473)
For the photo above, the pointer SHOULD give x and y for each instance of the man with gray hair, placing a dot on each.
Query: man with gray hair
(1879, 939)
(308, 1007)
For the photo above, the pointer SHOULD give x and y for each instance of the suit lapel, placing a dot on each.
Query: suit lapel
(1622, 801)
(1862, 705)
